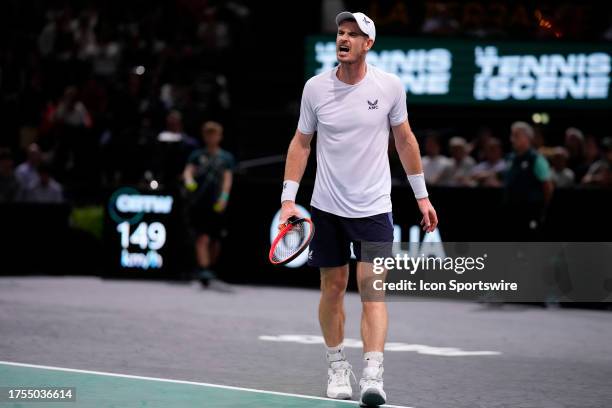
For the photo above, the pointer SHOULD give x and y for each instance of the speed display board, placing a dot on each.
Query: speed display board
(143, 233)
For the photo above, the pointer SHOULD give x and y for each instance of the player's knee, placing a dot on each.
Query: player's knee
(373, 307)
(334, 282)
(333, 291)
(333, 288)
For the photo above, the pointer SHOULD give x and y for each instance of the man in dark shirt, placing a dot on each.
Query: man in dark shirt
(208, 176)
(528, 185)
(600, 172)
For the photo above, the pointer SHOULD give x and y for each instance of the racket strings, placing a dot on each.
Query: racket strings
(291, 242)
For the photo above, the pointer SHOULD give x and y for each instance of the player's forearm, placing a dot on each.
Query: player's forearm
(226, 187)
(548, 189)
(410, 156)
(188, 174)
(408, 151)
(297, 158)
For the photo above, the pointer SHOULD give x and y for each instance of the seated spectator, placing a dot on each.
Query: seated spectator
(9, 186)
(600, 172)
(27, 172)
(539, 142)
(70, 111)
(497, 14)
(574, 142)
(68, 124)
(461, 163)
(592, 152)
(105, 53)
(477, 146)
(45, 189)
(473, 20)
(561, 175)
(439, 20)
(172, 149)
(435, 166)
(607, 35)
(488, 172)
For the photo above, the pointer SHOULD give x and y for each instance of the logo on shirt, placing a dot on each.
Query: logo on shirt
(373, 105)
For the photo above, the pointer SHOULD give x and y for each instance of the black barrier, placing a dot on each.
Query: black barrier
(466, 214)
(36, 238)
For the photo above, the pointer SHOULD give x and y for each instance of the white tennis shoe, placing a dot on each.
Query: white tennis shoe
(339, 380)
(371, 387)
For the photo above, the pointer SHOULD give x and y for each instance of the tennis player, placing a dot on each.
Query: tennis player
(352, 107)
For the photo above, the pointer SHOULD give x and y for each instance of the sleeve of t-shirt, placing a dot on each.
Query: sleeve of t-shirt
(194, 157)
(541, 169)
(308, 117)
(230, 162)
(398, 113)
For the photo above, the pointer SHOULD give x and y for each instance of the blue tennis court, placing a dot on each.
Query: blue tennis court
(107, 390)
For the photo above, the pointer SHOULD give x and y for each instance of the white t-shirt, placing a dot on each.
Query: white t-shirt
(352, 124)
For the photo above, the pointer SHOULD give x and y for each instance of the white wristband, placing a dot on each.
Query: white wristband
(290, 189)
(417, 182)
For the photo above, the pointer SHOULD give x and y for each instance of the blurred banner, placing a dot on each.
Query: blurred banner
(493, 73)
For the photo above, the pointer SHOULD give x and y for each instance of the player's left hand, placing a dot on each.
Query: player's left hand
(220, 205)
(430, 218)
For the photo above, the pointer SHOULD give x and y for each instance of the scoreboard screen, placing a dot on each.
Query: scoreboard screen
(486, 73)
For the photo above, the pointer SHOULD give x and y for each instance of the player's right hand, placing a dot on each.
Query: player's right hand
(191, 186)
(288, 209)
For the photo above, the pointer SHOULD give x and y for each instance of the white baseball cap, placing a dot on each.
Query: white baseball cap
(365, 23)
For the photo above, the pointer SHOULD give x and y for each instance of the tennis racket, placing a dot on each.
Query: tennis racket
(291, 240)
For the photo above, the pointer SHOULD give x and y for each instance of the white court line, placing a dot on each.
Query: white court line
(227, 387)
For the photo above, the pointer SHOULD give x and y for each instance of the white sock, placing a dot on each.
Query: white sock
(335, 353)
(373, 358)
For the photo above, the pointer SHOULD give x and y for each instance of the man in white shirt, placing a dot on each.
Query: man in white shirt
(44, 189)
(437, 167)
(488, 173)
(352, 108)
(461, 163)
(27, 172)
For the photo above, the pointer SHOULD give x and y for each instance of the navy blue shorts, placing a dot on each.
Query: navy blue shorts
(330, 245)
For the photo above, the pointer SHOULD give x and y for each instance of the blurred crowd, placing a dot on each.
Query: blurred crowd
(497, 19)
(583, 160)
(94, 85)
(96, 93)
